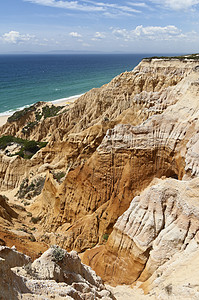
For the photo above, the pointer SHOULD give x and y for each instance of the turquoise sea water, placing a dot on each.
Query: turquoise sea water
(26, 79)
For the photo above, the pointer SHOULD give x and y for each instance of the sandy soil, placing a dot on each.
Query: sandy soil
(125, 292)
(3, 120)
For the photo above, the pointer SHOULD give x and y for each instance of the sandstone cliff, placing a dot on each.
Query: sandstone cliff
(109, 146)
(74, 135)
(98, 190)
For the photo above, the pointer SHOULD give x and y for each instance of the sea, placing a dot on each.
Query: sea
(27, 79)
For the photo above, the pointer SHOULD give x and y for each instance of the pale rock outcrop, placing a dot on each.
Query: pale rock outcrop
(159, 223)
(111, 144)
(178, 278)
(55, 274)
(10, 283)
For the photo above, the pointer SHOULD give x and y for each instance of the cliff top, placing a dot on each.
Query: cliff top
(181, 57)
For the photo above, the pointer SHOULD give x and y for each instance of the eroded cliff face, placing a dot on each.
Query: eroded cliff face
(95, 193)
(75, 133)
(160, 222)
(111, 144)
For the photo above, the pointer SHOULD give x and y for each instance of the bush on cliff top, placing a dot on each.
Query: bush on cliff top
(181, 57)
(30, 147)
(47, 111)
(19, 114)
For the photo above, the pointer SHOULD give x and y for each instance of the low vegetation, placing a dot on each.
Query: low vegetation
(21, 113)
(31, 189)
(181, 57)
(59, 176)
(35, 220)
(105, 236)
(58, 253)
(46, 112)
(28, 148)
(51, 111)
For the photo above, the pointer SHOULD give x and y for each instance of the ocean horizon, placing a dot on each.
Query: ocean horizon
(29, 78)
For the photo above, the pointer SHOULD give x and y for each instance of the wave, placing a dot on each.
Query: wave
(12, 111)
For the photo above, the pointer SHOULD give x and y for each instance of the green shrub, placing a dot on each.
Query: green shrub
(19, 114)
(35, 220)
(105, 236)
(58, 253)
(58, 176)
(181, 57)
(32, 238)
(35, 187)
(29, 126)
(51, 111)
(26, 146)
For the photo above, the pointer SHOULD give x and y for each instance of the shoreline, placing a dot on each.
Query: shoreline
(3, 119)
(59, 102)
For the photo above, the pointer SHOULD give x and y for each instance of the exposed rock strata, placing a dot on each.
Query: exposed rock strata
(73, 136)
(126, 161)
(177, 278)
(110, 145)
(160, 222)
(50, 276)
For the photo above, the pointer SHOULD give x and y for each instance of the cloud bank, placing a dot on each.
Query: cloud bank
(14, 37)
(87, 6)
(149, 32)
(177, 4)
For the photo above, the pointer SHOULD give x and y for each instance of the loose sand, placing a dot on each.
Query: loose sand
(3, 120)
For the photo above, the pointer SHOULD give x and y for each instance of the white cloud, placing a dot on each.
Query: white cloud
(14, 37)
(138, 4)
(150, 33)
(75, 5)
(98, 36)
(121, 33)
(177, 4)
(87, 6)
(75, 34)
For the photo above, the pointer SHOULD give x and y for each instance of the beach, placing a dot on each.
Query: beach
(3, 120)
(60, 102)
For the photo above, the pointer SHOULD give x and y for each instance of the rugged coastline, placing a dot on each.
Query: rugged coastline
(117, 181)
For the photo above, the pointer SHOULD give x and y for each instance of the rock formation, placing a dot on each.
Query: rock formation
(55, 274)
(121, 174)
(98, 190)
(160, 222)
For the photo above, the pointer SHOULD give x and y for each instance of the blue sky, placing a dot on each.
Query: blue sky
(155, 26)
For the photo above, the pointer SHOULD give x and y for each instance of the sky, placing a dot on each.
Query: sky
(105, 26)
